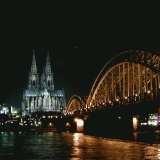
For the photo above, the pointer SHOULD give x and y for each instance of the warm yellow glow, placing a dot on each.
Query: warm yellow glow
(80, 122)
(135, 123)
(76, 119)
(76, 136)
(159, 148)
(67, 124)
(148, 91)
(134, 120)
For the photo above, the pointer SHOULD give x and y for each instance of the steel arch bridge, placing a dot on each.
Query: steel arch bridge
(76, 104)
(129, 77)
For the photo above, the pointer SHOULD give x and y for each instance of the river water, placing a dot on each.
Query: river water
(73, 146)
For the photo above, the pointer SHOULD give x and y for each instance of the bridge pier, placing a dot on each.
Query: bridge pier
(110, 121)
(71, 124)
(106, 123)
(122, 119)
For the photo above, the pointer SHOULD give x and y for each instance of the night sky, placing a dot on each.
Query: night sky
(80, 44)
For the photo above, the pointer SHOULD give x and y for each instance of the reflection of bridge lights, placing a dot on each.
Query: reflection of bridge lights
(159, 148)
(148, 91)
(136, 94)
(158, 155)
(76, 136)
(125, 97)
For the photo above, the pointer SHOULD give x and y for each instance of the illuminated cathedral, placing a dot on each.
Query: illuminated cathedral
(40, 94)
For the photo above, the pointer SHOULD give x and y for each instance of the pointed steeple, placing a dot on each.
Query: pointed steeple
(33, 81)
(33, 65)
(48, 66)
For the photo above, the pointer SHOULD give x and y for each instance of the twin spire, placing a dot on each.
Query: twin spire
(48, 66)
(46, 77)
(34, 67)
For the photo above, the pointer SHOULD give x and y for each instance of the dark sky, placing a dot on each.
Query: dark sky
(80, 44)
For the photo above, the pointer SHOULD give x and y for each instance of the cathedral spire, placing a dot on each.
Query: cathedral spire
(33, 75)
(33, 66)
(48, 66)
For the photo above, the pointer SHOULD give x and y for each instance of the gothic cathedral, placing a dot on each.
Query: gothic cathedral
(40, 94)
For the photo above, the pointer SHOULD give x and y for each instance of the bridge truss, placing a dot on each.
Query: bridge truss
(129, 77)
(76, 104)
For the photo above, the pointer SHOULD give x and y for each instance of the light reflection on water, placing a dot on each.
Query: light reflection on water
(71, 146)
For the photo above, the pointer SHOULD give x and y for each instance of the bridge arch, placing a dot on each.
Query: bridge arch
(75, 104)
(129, 77)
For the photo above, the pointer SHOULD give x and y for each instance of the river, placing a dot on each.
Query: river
(73, 146)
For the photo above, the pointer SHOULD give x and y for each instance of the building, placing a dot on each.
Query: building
(40, 94)
(4, 109)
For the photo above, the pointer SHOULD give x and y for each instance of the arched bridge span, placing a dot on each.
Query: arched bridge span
(129, 77)
(76, 104)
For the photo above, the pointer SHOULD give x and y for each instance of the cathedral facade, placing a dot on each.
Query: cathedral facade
(40, 94)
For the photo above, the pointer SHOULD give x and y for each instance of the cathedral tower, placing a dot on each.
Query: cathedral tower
(47, 76)
(40, 95)
(33, 75)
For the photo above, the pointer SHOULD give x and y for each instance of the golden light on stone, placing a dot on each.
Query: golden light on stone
(135, 123)
(80, 124)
